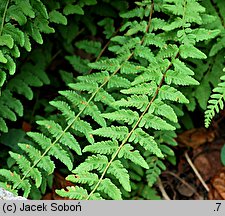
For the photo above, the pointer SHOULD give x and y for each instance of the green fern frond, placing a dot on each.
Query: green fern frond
(144, 76)
(93, 47)
(83, 178)
(170, 93)
(56, 130)
(128, 152)
(216, 102)
(65, 109)
(113, 132)
(151, 121)
(138, 101)
(98, 77)
(108, 24)
(160, 108)
(118, 82)
(118, 170)
(84, 86)
(79, 64)
(155, 168)
(53, 150)
(146, 141)
(179, 78)
(126, 116)
(25, 166)
(34, 154)
(151, 100)
(106, 186)
(98, 162)
(14, 178)
(142, 89)
(189, 51)
(73, 192)
(103, 147)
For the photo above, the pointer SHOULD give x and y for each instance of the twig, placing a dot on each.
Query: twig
(162, 190)
(196, 172)
(183, 182)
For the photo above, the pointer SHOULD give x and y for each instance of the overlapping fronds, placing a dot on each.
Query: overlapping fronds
(130, 100)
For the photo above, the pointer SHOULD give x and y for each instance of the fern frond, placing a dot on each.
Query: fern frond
(113, 132)
(192, 52)
(15, 178)
(84, 178)
(73, 192)
(25, 165)
(103, 147)
(127, 152)
(53, 150)
(98, 77)
(93, 47)
(155, 167)
(151, 121)
(98, 162)
(145, 140)
(118, 82)
(160, 108)
(109, 64)
(138, 101)
(170, 93)
(142, 89)
(106, 186)
(143, 76)
(216, 102)
(179, 78)
(79, 64)
(46, 163)
(118, 170)
(126, 116)
(56, 130)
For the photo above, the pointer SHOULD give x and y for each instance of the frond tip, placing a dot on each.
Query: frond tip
(216, 101)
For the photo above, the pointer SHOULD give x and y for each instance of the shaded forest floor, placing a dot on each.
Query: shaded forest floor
(199, 173)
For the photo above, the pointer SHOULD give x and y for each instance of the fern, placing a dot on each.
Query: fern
(144, 119)
(32, 18)
(216, 96)
(208, 72)
(30, 76)
(216, 102)
(22, 23)
(125, 144)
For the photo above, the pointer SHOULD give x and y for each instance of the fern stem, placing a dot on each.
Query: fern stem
(3, 17)
(150, 18)
(105, 47)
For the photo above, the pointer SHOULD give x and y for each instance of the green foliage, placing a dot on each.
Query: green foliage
(21, 21)
(216, 102)
(114, 125)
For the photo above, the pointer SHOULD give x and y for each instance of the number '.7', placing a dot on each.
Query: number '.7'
(219, 204)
